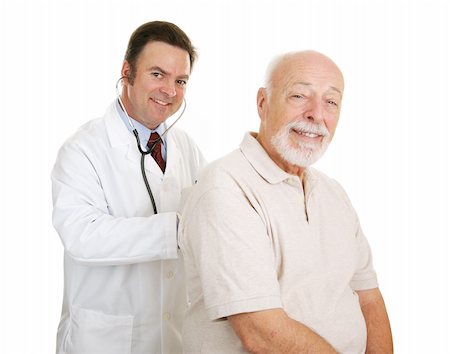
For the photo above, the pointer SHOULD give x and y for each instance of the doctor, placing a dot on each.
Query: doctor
(124, 282)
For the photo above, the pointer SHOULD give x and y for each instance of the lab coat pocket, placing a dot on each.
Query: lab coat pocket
(95, 332)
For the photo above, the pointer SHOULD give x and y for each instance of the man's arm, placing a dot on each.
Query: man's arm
(272, 331)
(379, 336)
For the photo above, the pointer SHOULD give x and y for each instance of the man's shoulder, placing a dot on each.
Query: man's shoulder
(328, 185)
(322, 178)
(222, 176)
(225, 171)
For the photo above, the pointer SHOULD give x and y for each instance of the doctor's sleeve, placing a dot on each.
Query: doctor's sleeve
(91, 235)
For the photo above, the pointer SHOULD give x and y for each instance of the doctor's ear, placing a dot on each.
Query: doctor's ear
(126, 72)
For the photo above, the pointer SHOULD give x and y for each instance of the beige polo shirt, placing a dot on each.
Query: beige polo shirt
(254, 239)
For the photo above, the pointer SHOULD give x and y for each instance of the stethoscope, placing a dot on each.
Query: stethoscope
(138, 141)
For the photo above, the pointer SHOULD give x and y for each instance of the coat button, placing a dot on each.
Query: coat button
(169, 274)
(167, 316)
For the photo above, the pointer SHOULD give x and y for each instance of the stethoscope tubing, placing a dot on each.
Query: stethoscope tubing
(138, 142)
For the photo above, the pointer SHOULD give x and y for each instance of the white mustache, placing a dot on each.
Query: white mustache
(308, 127)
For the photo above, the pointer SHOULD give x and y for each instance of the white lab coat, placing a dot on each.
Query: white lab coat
(124, 283)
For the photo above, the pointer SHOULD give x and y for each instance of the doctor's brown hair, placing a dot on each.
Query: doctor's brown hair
(160, 31)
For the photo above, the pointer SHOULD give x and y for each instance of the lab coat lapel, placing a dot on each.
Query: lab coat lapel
(170, 192)
(119, 135)
(173, 154)
(150, 164)
(172, 159)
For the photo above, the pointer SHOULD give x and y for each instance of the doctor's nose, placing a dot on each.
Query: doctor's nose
(168, 89)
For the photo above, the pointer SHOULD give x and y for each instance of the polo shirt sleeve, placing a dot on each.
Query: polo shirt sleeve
(365, 277)
(233, 254)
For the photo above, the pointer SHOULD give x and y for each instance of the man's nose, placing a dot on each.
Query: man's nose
(314, 110)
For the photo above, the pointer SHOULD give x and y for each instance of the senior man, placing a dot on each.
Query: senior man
(275, 257)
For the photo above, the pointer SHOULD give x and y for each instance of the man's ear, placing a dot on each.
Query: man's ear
(261, 98)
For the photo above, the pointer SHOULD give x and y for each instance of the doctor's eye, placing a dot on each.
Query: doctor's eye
(157, 74)
(182, 82)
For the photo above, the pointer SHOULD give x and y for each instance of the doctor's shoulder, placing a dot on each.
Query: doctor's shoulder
(87, 139)
(186, 145)
(88, 133)
(181, 137)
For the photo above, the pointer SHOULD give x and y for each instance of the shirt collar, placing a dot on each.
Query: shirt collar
(143, 131)
(264, 165)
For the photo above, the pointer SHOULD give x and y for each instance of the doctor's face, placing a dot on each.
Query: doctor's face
(162, 72)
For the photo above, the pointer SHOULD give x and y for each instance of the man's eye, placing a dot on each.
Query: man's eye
(182, 82)
(333, 103)
(298, 96)
(157, 75)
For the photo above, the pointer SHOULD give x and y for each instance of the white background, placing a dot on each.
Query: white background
(60, 59)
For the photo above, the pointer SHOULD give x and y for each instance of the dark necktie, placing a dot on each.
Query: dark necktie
(156, 152)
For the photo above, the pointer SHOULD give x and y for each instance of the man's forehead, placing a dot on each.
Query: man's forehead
(309, 68)
(306, 84)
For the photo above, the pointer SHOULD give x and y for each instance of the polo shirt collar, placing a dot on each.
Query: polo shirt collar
(264, 165)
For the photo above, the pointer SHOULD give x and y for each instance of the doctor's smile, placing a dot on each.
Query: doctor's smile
(162, 103)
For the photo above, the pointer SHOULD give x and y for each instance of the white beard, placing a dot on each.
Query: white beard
(303, 154)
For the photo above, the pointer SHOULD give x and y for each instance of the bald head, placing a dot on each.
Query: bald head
(299, 108)
(307, 60)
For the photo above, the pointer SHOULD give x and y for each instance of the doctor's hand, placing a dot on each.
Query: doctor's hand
(185, 193)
